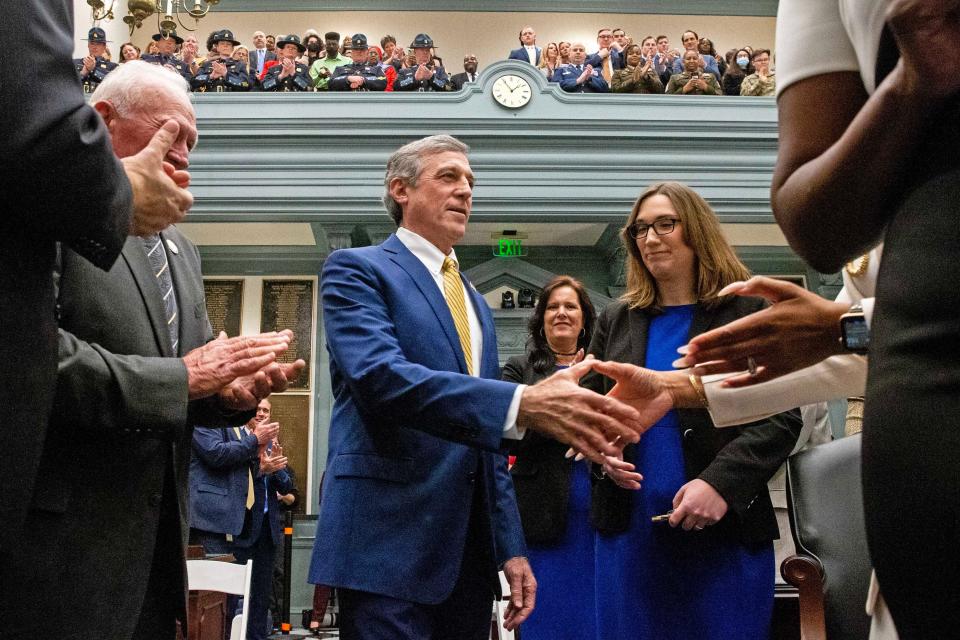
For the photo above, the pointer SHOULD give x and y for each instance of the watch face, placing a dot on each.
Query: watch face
(856, 333)
(512, 91)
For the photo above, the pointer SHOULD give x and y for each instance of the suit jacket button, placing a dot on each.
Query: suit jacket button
(155, 500)
(688, 434)
(472, 477)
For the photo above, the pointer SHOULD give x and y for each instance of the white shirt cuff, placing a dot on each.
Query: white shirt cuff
(510, 429)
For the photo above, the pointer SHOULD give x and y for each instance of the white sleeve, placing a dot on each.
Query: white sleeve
(836, 377)
(811, 40)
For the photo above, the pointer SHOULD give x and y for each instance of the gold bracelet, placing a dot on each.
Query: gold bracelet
(698, 388)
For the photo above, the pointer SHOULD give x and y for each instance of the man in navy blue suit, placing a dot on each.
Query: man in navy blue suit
(580, 76)
(235, 474)
(418, 511)
(528, 50)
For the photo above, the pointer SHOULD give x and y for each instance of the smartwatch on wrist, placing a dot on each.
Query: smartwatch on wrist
(854, 332)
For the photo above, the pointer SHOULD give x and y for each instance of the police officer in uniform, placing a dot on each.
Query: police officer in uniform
(221, 72)
(289, 75)
(94, 68)
(425, 76)
(359, 75)
(166, 48)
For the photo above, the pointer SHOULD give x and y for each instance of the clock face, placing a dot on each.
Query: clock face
(512, 91)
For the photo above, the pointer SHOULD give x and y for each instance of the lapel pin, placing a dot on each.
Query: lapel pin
(173, 247)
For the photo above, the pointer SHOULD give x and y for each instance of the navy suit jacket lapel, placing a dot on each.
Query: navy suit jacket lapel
(136, 259)
(402, 256)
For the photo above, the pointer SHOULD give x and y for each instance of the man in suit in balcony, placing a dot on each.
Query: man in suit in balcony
(528, 50)
(469, 74)
(418, 511)
(260, 54)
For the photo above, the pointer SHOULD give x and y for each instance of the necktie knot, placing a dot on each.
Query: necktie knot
(448, 265)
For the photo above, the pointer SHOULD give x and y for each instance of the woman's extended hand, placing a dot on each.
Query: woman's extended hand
(799, 330)
(622, 472)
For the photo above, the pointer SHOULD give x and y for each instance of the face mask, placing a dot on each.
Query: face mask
(742, 62)
(313, 46)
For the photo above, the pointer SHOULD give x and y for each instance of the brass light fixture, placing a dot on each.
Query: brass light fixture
(169, 12)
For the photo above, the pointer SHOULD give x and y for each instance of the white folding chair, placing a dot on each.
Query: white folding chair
(212, 575)
(500, 608)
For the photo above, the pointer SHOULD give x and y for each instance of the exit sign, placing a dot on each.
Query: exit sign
(509, 248)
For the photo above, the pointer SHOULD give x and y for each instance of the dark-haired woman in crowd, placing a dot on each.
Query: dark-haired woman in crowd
(706, 47)
(550, 60)
(705, 569)
(553, 491)
(736, 72)
(313, 45)
(128, 52)
(638, 76)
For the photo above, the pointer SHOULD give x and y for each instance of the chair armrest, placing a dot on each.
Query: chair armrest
(806, 574)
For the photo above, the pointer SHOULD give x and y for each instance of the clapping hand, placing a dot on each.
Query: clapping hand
(219, 70)
(423, 72)
(272, 459)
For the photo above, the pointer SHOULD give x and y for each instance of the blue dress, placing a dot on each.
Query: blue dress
(657, 582)
(564, 571)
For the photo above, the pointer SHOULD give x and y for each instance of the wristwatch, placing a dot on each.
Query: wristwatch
(854, 332)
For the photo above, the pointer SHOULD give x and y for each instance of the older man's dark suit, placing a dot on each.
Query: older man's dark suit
(108, 520)
(737, 462)
(55, 139)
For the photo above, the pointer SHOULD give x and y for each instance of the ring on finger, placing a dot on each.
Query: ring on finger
(698, 527)
(751, 365)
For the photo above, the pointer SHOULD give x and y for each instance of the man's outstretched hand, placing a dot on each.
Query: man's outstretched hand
(560, 408)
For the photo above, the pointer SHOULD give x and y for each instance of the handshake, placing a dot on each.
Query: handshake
(595, 425)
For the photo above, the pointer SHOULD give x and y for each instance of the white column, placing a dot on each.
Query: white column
(117, 31)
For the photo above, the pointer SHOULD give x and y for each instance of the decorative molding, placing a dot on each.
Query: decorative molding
(668, 7)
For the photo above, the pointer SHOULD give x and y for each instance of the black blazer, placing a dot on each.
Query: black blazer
(59, 140)
(736, 461)
(541, 474)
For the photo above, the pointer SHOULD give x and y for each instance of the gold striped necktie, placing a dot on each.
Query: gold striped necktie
(250, 495)
(453, 292)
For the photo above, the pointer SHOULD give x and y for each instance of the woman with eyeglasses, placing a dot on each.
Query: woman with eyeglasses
(685, 524)
(553, 491)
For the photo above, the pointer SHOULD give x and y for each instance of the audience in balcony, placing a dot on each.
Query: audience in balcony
(221, 72)
(289, 74)
(761, 82)
(358, 74)
(720, 75)
(736, 72)
(706, 48)
(608, 57)
(129, 51)
(94, 67)
(528, 50)
(323, 68)
(425, 74)
(259, 54)
(470, 64)
(392, 54)
(578, 77)
(693, 80)
(189, 52)
(691, 42)
(638, 76)
(550, 60)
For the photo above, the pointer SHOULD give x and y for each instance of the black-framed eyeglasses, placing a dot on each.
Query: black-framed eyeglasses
(661, 227)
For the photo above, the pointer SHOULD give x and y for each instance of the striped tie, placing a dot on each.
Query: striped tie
(153, 245)
(249, 475)
(453, 292)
